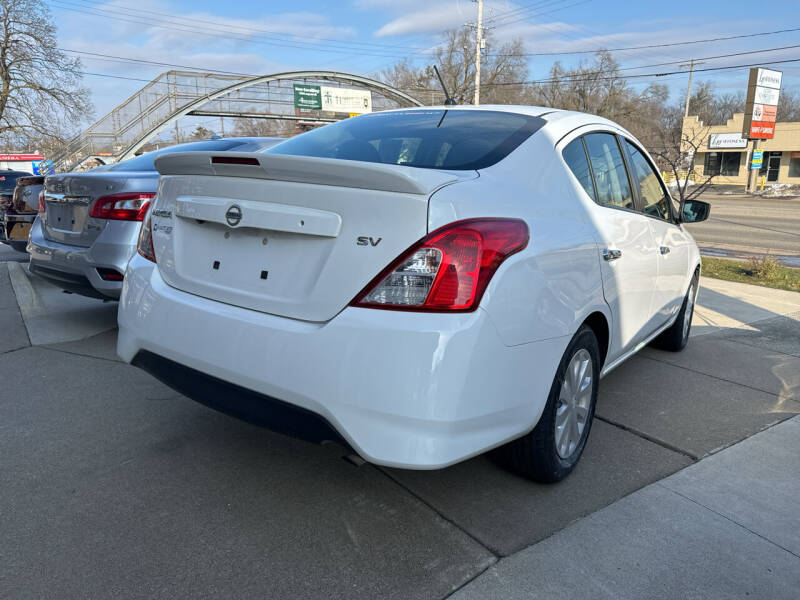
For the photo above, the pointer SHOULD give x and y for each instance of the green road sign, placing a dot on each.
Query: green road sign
(307, 97)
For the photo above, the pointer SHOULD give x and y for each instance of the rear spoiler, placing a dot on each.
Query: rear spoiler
(309, 169)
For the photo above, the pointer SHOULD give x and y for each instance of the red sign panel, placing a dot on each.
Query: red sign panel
(762, 130)
(21, 157)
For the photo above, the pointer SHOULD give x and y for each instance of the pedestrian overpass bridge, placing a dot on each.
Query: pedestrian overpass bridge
(173, 95)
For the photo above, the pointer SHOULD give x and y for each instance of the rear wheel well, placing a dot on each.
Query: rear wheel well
(598, 324)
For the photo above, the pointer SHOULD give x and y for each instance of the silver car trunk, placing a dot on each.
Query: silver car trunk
(286, 235)
(70, 197)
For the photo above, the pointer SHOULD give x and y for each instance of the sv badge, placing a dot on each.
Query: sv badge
(368, 241)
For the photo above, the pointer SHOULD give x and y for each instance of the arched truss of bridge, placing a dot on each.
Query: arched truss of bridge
(150, 113)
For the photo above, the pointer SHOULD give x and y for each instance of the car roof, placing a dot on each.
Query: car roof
(558, 122)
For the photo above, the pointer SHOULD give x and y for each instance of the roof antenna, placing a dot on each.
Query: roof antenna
(448, 101)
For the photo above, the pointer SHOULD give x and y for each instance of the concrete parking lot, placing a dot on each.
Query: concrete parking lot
(113, 485)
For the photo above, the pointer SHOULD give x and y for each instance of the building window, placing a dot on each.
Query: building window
(722, 163)
(711, 166)
(730, 163)
(794, 164)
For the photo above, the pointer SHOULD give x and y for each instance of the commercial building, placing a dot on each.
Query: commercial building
(722, 153)
(21, 162)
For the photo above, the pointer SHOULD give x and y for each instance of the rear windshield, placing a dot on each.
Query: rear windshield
(8, 180)
(145, 162)
(430, 139)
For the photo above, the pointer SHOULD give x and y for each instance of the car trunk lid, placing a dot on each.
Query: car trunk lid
(294, 236)
(69, 199)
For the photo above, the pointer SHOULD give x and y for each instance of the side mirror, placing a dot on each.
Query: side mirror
(694, 211)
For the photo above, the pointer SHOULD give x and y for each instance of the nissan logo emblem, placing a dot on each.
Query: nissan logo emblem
(233, 216)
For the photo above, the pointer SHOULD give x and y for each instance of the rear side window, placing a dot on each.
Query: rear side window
(610, 177)
(429, 139)
(654, 197)
(575, 157)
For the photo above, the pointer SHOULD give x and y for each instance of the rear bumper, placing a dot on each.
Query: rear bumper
(410, 390)
(74, 268)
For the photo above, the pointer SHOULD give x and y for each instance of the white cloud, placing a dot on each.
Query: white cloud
(250, 45)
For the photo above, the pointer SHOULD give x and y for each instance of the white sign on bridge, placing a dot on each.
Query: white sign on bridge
(346, 100)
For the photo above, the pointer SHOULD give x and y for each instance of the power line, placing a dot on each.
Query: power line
(650, 46)
(509, 20)
(136, 11)
(128, 60)
(174, 23)
(576, 78)
(262, 39)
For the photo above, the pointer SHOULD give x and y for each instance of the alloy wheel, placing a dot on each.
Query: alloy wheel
(689, 312)
(574, 402)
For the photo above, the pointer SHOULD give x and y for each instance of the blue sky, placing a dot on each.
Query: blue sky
(365, 36)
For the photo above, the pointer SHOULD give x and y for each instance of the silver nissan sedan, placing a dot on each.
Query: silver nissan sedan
(88, 223)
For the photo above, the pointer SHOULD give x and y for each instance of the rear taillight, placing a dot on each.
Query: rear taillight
(42, 207)
(122, 207)
(449, 269)
(145, 243)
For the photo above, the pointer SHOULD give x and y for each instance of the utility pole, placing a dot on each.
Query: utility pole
(478, 45)
(691, 64)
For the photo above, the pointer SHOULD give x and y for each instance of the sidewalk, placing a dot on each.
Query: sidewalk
(726, 527)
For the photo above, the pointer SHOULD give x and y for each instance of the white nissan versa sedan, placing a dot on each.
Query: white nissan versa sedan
(421, 284)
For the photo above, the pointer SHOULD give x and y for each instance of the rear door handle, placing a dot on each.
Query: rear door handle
(609, 254)
(664, 249)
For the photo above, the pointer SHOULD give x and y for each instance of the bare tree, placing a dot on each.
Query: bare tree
(503, 71)
(200, 133)
(251, 127)
(597, 87)
(40, 91)
(674, 148)
(713, 108)
(503, 68)
(789, 106)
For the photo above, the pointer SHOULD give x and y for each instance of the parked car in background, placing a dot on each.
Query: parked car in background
(88, 223)
(8, 181)
(423, 284)
(17, 218)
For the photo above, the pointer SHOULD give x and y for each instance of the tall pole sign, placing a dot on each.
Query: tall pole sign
(763, 90)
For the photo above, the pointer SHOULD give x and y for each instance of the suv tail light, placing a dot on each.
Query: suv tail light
(42, 207)
(145, 244)
(122, 207)
(449, 269)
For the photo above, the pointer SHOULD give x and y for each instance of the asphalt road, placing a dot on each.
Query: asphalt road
(742, 225)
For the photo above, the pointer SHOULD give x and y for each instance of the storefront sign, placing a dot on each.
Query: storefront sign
(762, 130)
(20, 157)
(758, 158)
(726, 140)
(769, 78)
(765, 112)
(307, 97)
(764, 95)
(763, 92)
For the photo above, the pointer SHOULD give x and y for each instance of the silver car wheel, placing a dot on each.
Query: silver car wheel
(574, 401)
(689, 312)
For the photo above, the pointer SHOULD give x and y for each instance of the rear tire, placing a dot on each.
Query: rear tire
(550, 452)
(676, 337)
